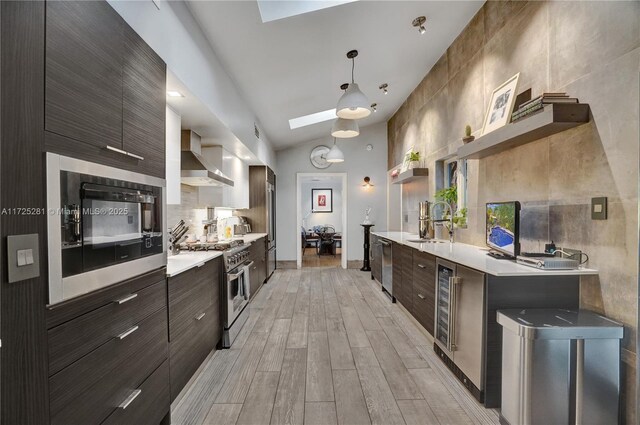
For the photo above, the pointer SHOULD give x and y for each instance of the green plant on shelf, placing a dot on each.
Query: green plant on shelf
(414, 156)
(467, 131)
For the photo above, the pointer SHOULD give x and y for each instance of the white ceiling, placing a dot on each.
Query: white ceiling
(294, 66)
(194, 115)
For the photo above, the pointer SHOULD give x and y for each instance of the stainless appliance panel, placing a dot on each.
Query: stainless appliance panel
(63, 288)
(236, 298)
(271, 216)
(468, 337)
(387, 266)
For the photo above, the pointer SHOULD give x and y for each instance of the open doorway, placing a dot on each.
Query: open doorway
(322, 220)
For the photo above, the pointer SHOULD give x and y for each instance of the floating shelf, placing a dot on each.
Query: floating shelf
(410, 175)
(553, 119)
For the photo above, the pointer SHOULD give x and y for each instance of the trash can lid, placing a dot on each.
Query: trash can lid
(554, 323)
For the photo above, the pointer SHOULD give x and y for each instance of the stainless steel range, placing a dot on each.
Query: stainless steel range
(235, 297)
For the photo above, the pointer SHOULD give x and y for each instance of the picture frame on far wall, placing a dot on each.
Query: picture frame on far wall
(501, 105)
(322, 200)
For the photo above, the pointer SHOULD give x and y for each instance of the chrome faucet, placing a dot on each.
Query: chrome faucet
(433, 206)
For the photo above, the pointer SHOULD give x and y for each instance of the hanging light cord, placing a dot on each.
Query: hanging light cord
(353, 65)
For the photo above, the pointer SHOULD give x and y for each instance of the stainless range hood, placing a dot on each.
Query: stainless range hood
(195, 170)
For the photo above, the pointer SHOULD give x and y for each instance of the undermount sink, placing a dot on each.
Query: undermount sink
(425, 241)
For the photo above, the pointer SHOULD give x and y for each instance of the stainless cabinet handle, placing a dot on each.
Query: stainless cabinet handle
(125, 299)
(250, 264)
(421, 296)
(200, 265)
(385, 243)
(125, 334)
(133, 155)
(200, 316)
(127, 401)
(123, 152)
(422, 266)
(116, 150)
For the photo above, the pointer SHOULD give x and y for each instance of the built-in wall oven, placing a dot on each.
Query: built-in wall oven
(105, 225)
(236, 292)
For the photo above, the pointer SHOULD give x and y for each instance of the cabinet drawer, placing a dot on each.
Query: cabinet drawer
(192, 346)
(151, 402)
(424, 268)
(424, 309)
(90, 389)
(190, 293)
(71, 340)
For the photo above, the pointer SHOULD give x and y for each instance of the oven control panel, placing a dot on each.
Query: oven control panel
(235, 257)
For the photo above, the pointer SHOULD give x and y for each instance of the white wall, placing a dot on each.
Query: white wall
(358, 163)
(321, 218)
(176, 37)
(172, 139)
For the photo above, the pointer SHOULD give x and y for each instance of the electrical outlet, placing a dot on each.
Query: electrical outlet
(406, 218)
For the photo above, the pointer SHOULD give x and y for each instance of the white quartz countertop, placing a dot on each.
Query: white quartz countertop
(476, 257)
(186, 260)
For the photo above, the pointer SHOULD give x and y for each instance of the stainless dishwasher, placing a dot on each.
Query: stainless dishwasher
(387, 268)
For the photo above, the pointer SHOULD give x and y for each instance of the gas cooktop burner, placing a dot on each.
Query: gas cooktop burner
(211, 246)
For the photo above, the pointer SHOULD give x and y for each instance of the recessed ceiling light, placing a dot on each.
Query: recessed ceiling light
(419, 24)
(310, 119)
(173, 93)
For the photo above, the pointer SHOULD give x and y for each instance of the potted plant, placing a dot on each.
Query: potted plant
(414, 160)
(467, 135)
(450, 196)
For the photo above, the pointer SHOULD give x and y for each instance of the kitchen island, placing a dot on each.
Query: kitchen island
(454, 291)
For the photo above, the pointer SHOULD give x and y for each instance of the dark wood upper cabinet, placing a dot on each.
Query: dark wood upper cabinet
(83, 72)
(105, 87)
(143, 101)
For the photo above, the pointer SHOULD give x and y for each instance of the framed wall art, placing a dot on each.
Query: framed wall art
(322, 200)
(500, 105)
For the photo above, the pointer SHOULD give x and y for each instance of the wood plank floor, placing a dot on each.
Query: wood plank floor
(325, 346)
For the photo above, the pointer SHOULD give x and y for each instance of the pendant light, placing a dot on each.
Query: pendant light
(343, 128)
(353, 104)
(335, 154)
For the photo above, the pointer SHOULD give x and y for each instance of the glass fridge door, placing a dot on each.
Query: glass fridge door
(443, 305)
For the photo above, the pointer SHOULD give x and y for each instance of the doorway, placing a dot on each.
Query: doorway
(321, 200)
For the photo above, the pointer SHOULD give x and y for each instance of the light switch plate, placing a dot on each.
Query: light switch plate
(599, 208)
(24, 244)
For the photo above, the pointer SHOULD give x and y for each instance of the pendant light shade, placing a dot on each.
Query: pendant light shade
(335, 154)
(353, 104)
(345, 129)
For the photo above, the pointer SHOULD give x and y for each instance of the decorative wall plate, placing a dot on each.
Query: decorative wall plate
(318, 157)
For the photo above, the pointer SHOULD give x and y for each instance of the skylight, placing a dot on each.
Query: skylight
(271, 10)
(310, 119)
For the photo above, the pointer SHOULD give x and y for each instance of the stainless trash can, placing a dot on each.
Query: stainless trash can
(559, 367)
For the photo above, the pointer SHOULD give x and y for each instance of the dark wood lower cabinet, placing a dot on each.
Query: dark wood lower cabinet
(258, 271)
(148, 402)
(103, 353)
(424, 289)
(195, 325)
(414, 283)
(191, 347)
(376, 258)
